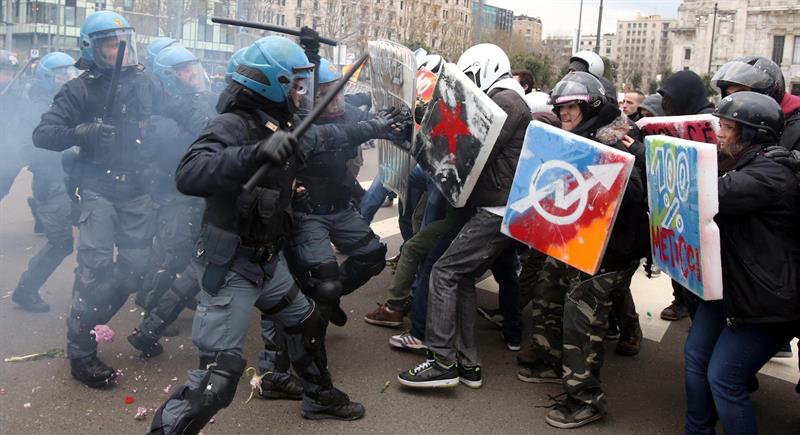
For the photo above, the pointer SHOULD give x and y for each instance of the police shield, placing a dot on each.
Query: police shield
(698, 128)
(458, 133)
(392, 70)
(682, 197)
(566, 194)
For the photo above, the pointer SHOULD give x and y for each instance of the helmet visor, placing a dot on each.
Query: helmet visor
(63, 75)
(336, 106)
(740, 73)
(192, 76)
(300, 89)
(569, 91)
(105, 46)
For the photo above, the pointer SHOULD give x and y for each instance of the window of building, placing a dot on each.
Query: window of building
(298, 22)
(796, 56)
(687, 54)
(778, 42)
(299, 4)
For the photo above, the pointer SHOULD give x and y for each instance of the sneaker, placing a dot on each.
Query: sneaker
(30, 301)
(512, 345)
(493, 316)
(571, 413)
(385, 316)
(539, 373)
(92, 372)
(470, 376)
(276, 386)
(332, 405)
(675, 311)
(407, 341)
(430, 374)
(785, 352)
(629, 346)
(528, 356)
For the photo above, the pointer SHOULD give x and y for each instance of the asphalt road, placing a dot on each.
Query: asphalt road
(645, 392)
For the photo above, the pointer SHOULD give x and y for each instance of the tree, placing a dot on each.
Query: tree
(539, 66)
(636, 80)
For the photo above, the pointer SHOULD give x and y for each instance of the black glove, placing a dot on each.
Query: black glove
(419, 111)
(95, 135)
(309, 40)
(276, 148)
(790, 159)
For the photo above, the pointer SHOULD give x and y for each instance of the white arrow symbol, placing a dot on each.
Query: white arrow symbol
(605, 175)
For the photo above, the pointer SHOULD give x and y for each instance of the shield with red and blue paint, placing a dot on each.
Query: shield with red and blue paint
(566, 194)
(458, 131)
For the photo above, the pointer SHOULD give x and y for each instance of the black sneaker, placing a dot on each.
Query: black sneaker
(92, 372)
(430, 374)
(332, 405)
(470, 376)
(30, 302)
(280, 387)
(571, 413)
(539, 373)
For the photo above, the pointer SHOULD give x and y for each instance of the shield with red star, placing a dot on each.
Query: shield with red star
(458, 132)
(393, 71)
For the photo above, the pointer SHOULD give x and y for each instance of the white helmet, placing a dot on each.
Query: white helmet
(592, 61)
(484, 64)
(539, 102)
(432, 63)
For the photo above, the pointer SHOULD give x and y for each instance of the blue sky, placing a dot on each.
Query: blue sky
(560, 17)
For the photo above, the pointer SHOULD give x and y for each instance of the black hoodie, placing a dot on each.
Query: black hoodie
(687, 93)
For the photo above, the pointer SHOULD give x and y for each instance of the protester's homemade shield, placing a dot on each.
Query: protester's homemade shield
(699, 128)
(458, 132)
(392, 73)
(682, 194)
(566, 194)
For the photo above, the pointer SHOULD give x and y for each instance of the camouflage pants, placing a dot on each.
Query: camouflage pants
(570, 311)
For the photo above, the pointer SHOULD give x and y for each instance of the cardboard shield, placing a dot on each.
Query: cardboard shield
(566, 194)
(698, 128)
(458, 132)
(426, 83)
(683, 199)
(393, 70)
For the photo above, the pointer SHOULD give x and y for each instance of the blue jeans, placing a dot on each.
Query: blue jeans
(373, 199)
(418, 183)
(720, 360)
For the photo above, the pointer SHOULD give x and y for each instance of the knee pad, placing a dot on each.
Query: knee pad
(324, 284)
(358, 269)
(312, 330)
(222, 376)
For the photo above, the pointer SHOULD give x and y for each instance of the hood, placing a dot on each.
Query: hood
(508, 83)
(687, 92)
(790, 103)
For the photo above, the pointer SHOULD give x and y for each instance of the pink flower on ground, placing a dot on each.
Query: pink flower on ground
(103, 334)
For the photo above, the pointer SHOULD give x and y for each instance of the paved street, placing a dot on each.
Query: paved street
(645, 392)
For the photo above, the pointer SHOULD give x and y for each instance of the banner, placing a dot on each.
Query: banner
(698, 128)
(458, 132)
(683, 200)
(566, 194)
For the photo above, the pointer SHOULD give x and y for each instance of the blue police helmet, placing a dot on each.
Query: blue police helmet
(98, 29)
(154, 47)
(271, 64)
(328, 73)
(234, 61)
(53, 70)
(168, 61)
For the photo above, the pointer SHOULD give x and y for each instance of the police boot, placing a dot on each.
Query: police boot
(276, 386)
(28, 300)
(145, 337)
(332, 404)
(92, 372)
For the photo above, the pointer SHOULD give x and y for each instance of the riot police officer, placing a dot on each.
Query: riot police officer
(116, 210)
(51, 205)
(238, 259)
(178, 216)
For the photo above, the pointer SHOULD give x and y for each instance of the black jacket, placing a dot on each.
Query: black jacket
(494, 183)
(759, 202)
(687, 92)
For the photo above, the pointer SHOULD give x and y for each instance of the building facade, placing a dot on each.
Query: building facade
(490, 20)
(528, 31)
(768, 28)
(643, 51)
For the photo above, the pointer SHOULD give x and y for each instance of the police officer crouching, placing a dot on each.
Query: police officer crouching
(238, 258)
